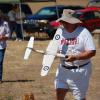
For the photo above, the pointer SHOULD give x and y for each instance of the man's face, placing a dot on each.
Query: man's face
(65, 23)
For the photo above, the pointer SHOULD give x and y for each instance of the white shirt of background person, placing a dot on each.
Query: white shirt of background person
(4, 31)
(12, 15)
(19, 15)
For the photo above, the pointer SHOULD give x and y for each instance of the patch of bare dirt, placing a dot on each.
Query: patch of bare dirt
(23, 77)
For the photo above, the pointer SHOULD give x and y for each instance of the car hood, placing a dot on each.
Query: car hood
(39, 17)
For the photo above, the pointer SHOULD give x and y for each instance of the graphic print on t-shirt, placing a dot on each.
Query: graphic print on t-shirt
(69, 41)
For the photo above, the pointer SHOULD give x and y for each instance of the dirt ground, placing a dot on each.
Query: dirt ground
(23, 77)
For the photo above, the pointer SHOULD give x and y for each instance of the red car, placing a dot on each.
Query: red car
(90, 17)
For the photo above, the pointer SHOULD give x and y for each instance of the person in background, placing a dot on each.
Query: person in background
(4, 35)
(19, 17)
(76, 43)
(12, 19)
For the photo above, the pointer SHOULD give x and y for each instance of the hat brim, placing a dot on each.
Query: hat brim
(71, 20)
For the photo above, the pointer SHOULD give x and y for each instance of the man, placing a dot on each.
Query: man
(4, 35)
(74, 70)
(19, 17)
(12, 19)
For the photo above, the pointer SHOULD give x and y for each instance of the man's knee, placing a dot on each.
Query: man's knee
(84, 99)
(60, 93)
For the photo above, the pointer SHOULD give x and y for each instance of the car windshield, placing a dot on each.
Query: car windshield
(47, 11)
(77, 14)
(87, 15)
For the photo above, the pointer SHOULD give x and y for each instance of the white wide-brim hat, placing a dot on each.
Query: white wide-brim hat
(69, 17)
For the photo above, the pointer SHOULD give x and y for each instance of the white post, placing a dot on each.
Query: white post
(56, 8)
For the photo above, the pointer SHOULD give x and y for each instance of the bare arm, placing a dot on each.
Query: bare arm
(3, 37)
(21, 16)
(81, 56)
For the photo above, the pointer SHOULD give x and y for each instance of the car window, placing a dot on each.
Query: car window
(89, 15)
(47, 11)
(85, 16)
(97, 14)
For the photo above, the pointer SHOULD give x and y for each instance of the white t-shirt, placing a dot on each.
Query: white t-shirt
(19, 15)
(11, 15)
(4, 30)
(78, 41)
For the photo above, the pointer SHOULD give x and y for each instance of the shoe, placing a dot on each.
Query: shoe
(20, 40)
(16, 39)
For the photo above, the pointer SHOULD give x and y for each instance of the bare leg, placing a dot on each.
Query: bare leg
(84, 99)
(60, 93)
